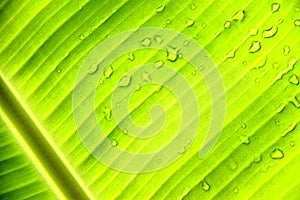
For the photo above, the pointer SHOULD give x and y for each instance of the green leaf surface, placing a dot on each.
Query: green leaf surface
(255, 45)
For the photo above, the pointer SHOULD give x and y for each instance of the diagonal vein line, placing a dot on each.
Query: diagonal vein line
(42, 147)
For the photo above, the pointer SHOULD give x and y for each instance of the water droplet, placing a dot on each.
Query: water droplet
(294, 100)
(146, 42)
(292, 143)
(146, 77)
(261, 63)
(239, 16)
(205, 186)
(189, 22)
(227, 24)
(194, 72)
(107, 113)
(158, 64)
(236, 190)
(157, 39)
(286, 50)
(108, 72)
(297, 9)
(79, 6)
(131, 57)
(203, 25)
(125, 132)
(171, 56)
(280, 21)
(181, 150)
(168, 21)
(193, 6)
(253, 32)
(275, 7)
(257, 159)
(186, 42)
(277, 122)
(294, 79)
(244, 139)
(160, 8)
(233, 165)
(289, 129)
(93, 68)
(270, 32)
(81, 37)
(58, 71)
(275, 65)
(244, 63)
(244, 126)
(114, 143)
(125, 81)
(255, 47)
(276, 154)
(231, 54)
(280, 108)
(297, 22)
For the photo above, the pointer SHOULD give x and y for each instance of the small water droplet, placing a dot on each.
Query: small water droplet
(275, 7)
(186, 42)
(81, 37)
(107, 113)
(294, 79)
(244, 126)
(280, 108)
(253, 32)
(203, 25)
(231, 54)
(255, 47)
(114, 143)
(205, 186)
(160, 8)
(297, 9)
(80, 6)
(289, 129)
(277, 154)
(233, 165)
(286, 50)
(172, 56)
(125, 81)
(181, 150)
(239, 16)
(125, 132)
(257, 159)
(280, 21)
(297, 22)
(261, 63)
(189, 22)
(244, 139)
(92, 69)
(146, 42)
(193, 6)
(277, 122)
(244, 63)
(227, 24)
(292, 143)
(157, 39)
(294, 100)
(58, 71)
(275, 65)
(158, 64)
(108, 72)
(236, 190)
(270, 32)
(131, 57)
